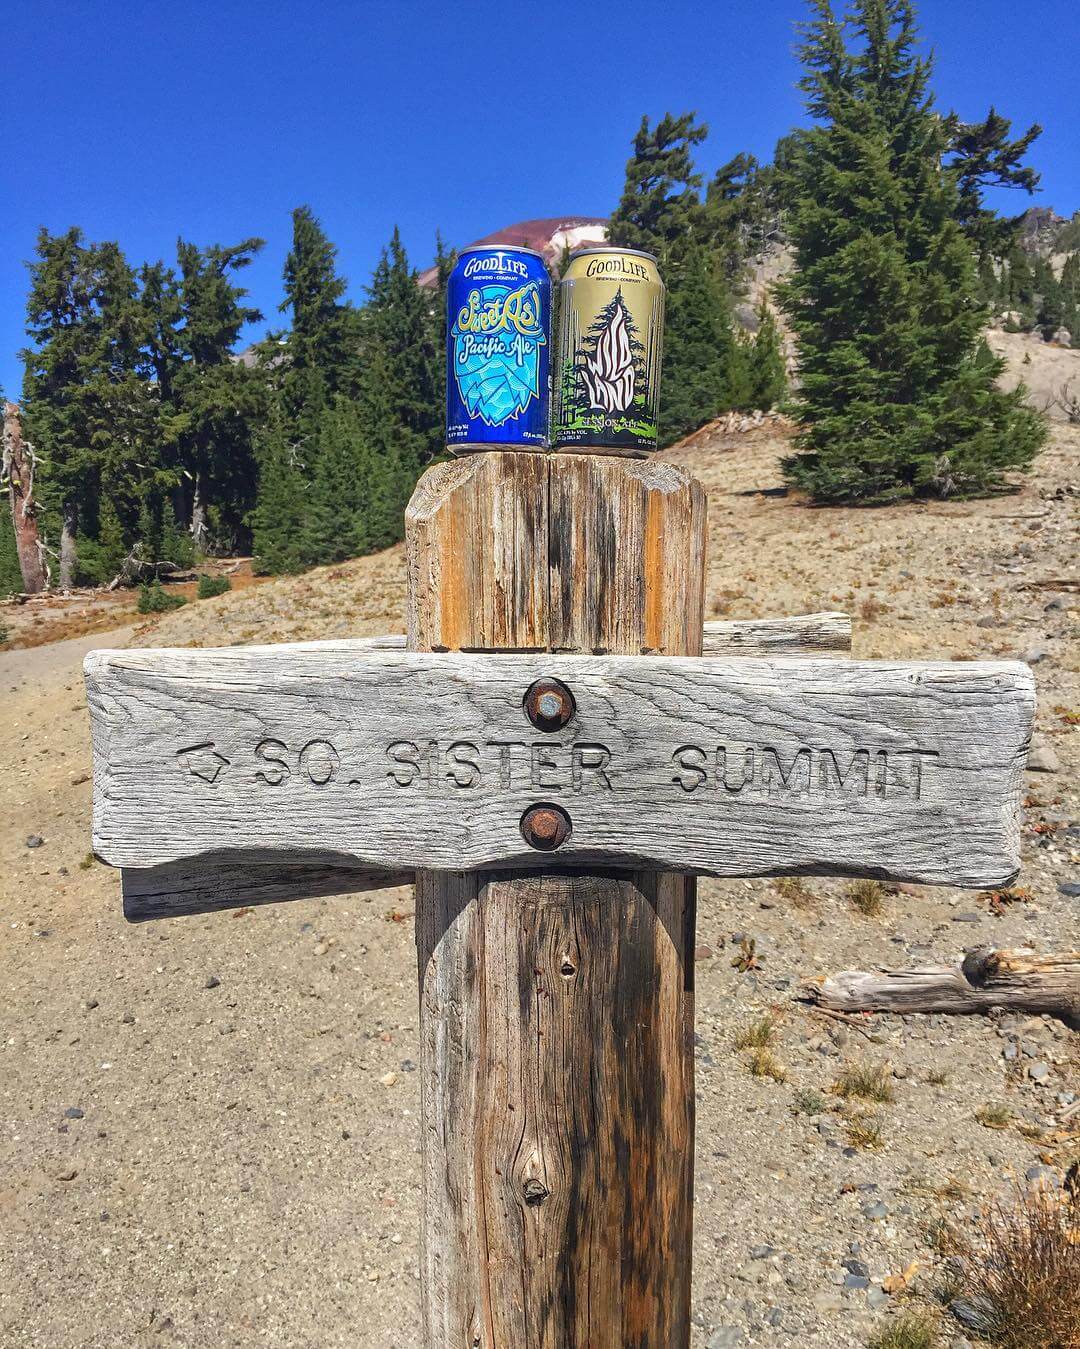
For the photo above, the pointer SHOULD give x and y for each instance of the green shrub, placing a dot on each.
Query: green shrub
(155, 599)
(209, 586)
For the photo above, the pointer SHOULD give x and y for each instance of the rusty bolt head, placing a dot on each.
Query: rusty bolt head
(545, 827)
(549, 704)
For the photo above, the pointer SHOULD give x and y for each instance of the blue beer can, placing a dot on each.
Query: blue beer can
(498, 343)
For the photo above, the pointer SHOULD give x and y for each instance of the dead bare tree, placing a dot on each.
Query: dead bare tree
(19, 462)
(1068, 402)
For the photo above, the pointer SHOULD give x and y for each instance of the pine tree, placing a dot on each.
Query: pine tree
(220, 401)
(321, 350)
(702, 377)
(89, 410)
(766, 368)
(660, 212)
(401, 388)
(980, 155)
(896, 395)
(280, 517)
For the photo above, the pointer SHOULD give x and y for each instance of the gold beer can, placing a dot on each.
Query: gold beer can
(611, 340)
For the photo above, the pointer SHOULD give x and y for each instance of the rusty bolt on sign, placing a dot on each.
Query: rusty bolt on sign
(545, 827)
(548, 704)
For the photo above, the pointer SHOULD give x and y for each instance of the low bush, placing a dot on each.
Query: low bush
(209, 586)
(155, 599)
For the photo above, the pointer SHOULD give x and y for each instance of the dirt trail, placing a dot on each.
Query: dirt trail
(210, 1126)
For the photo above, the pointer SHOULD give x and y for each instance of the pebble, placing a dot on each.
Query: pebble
(34, 840)
(858, 1267)
(726, 1337)
(321, 948)
(876, 1297)
(1070, 888)
(1011, 1051)
(213, 982)
(876, 1211)
(966, 917)
(1042, 759)
(90, 1004)
(73, 1112)
(1041, 1175)
(1038, 1072)
(774, 1316)
(1034, 655)
(65, 1173)
(128, 1018)
(388, 1079)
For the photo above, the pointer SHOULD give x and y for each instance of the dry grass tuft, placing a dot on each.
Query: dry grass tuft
(795, 890)
(1019, 1273)
(867, 897)
(764, 1063)
(865, 1082)
(994, 1116)
(758, 1035)
(911, 1331)
(864, 1131)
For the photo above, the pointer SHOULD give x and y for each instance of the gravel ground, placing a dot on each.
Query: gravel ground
(209, 1126)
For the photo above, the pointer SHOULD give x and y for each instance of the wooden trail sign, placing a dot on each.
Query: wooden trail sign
(332, 756)
(536, 795)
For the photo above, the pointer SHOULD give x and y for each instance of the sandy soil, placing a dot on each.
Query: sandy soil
(200, 1142)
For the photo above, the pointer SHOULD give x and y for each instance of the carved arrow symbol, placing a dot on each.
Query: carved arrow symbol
(203, 761)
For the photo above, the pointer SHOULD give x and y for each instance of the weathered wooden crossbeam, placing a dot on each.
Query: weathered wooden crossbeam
(190, 887)
(332, 756)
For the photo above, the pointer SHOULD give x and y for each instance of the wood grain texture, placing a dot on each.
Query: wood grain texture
(727, 767)
(1020, 981)
(527, 552)
(800, 635)
(179, 889)
(556, 1010)
(556, 1020)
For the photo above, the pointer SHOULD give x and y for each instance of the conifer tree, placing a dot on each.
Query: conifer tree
(766, 368)
(280, 517)
(660, 212)
(896, 395)
(220, 400)
(702, 366)
(321, 350)
(401, 383)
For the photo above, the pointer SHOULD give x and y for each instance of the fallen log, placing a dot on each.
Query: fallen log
(1017, 981)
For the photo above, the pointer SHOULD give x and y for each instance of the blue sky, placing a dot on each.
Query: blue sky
(142, 119)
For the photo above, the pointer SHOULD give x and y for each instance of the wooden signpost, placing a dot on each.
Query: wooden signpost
(552, 759)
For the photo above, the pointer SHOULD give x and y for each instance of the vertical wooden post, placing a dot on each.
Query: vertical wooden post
(556, 1012)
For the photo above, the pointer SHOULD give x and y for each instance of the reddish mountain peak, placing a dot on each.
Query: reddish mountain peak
(549, 237)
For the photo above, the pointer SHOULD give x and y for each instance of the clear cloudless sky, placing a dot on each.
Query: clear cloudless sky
(142, 120)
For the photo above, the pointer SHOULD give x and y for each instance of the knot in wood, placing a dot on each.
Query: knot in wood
(545, 827)
(535, 1192)
(548, 704)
